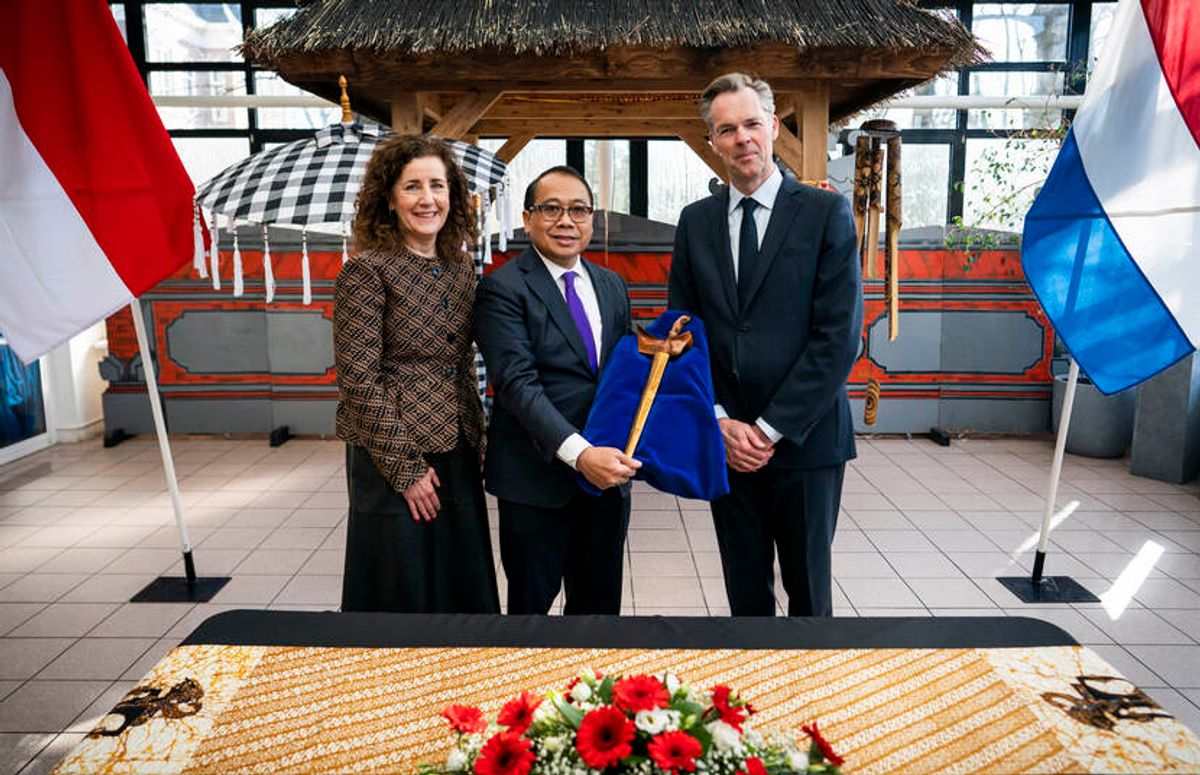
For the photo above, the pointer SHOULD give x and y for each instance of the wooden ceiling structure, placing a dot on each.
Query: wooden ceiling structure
(522, 69)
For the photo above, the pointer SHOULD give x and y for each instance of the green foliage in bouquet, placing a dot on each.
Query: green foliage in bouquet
(641, 725)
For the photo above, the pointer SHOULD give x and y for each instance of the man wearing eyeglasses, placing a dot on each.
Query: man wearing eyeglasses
(771, 267)
(546, 323)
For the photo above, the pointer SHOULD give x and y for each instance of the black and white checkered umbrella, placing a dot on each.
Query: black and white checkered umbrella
(314, 181)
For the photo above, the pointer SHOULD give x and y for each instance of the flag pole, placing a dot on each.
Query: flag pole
(166, 588)
(1060, 448)
(1052, 589)
(164, 446)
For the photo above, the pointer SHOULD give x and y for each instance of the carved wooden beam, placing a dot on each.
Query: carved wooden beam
(512, 146)
(458, 120)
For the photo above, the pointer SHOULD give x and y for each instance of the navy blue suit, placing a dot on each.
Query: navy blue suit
(784, 355)
(551, 532)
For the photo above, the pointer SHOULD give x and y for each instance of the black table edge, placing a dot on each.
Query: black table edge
(383, 630)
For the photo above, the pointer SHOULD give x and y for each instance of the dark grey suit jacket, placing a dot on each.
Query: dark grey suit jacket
(785, 356)
(542, 384)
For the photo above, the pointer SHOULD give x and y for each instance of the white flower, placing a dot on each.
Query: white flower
(553, 744)
(457, 760)
(653, 722)
(672, 683)
(581, 692)
(798, 761)
(725, 737)
(547, 708)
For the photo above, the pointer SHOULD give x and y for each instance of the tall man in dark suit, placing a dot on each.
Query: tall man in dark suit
(771, 267)
(546, 323)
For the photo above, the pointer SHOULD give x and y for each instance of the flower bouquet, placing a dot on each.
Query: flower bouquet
(635, 724)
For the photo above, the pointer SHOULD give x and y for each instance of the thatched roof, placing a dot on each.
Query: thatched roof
(862, 51)
(540, 27)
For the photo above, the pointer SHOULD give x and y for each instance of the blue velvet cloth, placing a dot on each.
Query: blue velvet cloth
(681, 449)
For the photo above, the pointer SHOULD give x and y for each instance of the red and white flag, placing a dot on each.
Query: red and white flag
(95, 206)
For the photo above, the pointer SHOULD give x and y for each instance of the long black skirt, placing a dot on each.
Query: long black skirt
(396, 564)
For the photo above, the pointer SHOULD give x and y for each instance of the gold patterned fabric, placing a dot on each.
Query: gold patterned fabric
(405, 363)
(293, 710)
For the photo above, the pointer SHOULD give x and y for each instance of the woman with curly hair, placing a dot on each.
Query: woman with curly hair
(417, 535)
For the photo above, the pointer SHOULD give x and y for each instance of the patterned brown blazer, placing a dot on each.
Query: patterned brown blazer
(405, 364)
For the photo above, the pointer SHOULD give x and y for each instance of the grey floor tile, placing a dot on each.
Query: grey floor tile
(273, 561)
(954, 541)
(667, 592)
(63, 620)
(915, 565)
(295, 538)
(312, 590)
(949, 593)
(324, 562)
(658, 541)
(1178, 665)
(22, 658)
(894, 612)
(1137, 626)
(1128, 665)
(937, 519)
(648, 565)
(17, 749)
(253, 590)
(879, 593)
(47, 706)
(979, 564)
(40, 587)
(151, 657)
(235, 538)
(108, 588)
(1158, 593)
(150, 620)
(862, 565)
(25, 558)
(90, 716)
(198, 614)
(96, 659)
(13, 615)
(899, 541)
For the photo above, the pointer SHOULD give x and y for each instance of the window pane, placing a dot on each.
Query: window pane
(265, 17)
(178, 84)
(290, 118)
(619, 193)
(677, 177)
(924, 175)
(204, 157)
(193, 32)
(1022, 32)
(534, 158)
(922, 118)
(1102, 19)
(118, 12)
(1003, 176)
(1019, 84)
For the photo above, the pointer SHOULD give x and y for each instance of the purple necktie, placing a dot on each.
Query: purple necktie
(581, 321)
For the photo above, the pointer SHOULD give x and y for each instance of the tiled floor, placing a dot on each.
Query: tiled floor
(924, 531)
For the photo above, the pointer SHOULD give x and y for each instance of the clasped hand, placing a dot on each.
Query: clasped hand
(747, 448)
(422, 498)
(606, 467)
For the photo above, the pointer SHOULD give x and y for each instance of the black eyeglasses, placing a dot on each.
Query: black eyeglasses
(551, 213)
(1103, 700)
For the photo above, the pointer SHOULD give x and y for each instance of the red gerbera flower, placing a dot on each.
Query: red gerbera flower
(675, 751)
(823, 745)
(505, 754)
(640, 692)
(732, 715)
(604, 737)
(754, 766)
(465, 718)
(517, 714)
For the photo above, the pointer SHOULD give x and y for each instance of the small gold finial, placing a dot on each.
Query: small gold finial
(347, 116)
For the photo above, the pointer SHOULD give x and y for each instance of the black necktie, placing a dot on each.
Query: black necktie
(747, 250)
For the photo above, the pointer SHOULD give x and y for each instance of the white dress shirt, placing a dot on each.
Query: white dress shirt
(765, 196)
(573, 445)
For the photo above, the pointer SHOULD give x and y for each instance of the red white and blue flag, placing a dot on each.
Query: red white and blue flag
(1112, 242)
(95, 206)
